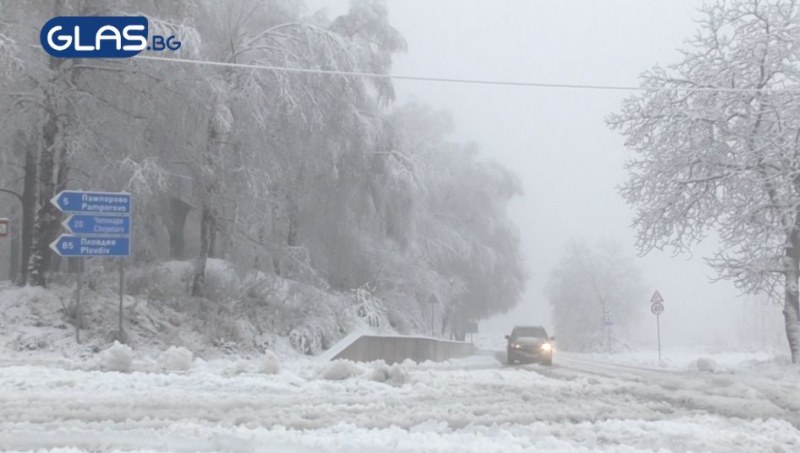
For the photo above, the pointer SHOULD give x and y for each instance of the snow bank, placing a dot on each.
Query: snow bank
(118, 357)
(396, 374)
(268, 363)
(176, 359)
(339, 370)
(704, 364)
(380, 372)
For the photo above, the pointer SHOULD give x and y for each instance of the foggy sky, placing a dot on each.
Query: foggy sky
(556, 140)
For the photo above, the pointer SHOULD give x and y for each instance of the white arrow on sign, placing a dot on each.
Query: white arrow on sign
(656, 299)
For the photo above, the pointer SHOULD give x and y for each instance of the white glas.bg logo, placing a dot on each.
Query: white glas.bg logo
(101, 37)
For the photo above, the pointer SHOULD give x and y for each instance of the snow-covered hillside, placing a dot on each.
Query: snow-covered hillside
(240, 314)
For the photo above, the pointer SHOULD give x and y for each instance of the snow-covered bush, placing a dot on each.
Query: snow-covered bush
(339, 370)
(117, 357)
(165, 281)
(268, 363)
(175, 359)
(222, 280)
(370, 308)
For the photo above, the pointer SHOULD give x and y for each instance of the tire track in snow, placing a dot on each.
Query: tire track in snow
(726, 395)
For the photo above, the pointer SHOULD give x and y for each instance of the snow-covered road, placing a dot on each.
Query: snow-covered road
(475, 404)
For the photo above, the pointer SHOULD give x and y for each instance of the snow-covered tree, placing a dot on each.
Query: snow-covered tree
(288, 176)
(453, 222)
(596, 294)
(717, 140)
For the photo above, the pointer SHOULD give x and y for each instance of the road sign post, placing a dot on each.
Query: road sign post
(607, 323)
(657, 308)
(99, 226)
(658, 333)
(121, 335)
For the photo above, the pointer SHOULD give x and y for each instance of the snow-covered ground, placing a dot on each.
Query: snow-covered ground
(476, 404)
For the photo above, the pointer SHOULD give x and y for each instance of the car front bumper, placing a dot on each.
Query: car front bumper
(529, 355)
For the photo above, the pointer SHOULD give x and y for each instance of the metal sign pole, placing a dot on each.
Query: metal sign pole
(658, 330)
(78, 312)
(121, 289)
(657, 307)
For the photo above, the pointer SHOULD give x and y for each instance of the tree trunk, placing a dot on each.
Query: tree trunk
(13, 236)
(176, 224)
(293, 224)
(791, 308)
(211, 228)
(47, 215)
(28, 212)
(206, 237)
(62, 175)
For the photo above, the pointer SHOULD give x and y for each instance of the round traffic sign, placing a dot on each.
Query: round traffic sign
(657, 308)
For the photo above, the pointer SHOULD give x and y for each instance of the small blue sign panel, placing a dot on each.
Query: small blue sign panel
(98, 225)
(76, 202)
(67, 245)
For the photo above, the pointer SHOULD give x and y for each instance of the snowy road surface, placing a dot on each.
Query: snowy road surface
(471, 405)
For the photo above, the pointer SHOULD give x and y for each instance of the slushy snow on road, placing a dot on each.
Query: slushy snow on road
(475, 404)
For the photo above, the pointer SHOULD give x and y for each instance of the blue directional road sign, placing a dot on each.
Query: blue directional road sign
(98, 225)
(78, 202)
(68, 245)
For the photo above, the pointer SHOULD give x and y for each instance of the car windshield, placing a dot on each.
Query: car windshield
(535, 332)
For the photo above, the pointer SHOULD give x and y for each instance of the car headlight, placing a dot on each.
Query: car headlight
(547, 347)
(516, 346)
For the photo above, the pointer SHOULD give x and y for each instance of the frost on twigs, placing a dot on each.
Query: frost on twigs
(370, 308)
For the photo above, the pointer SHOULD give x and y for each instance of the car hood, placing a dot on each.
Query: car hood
(529, 341)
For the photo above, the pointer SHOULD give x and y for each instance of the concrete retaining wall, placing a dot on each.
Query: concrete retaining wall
(394, 349)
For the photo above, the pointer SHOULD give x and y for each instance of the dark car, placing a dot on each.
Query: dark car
(528, 344)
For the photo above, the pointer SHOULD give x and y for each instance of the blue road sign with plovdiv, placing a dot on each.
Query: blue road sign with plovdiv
(98, 224)
(69, 245)
(78, 202)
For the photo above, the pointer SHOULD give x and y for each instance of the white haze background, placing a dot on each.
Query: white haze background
(556, 140)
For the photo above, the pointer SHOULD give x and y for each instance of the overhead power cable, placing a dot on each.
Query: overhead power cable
(460, 80)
